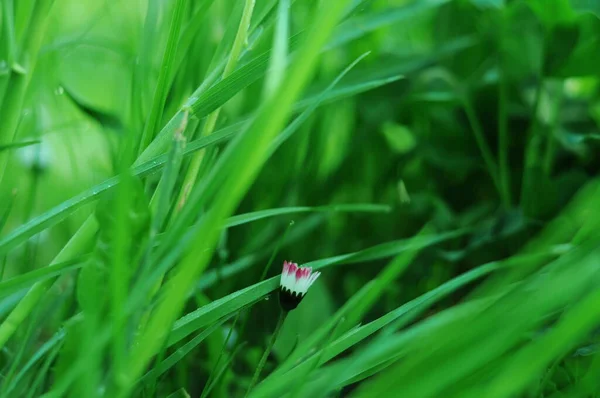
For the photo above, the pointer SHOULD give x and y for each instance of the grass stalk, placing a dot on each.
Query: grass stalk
(164, 77)
(240, 40)
(263, 359)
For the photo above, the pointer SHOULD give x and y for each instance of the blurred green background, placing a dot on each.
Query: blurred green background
(477, 116)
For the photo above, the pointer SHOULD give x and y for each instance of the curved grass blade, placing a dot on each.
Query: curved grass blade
(181, 352)
(342, 208)
(16, 145)
(17, 283)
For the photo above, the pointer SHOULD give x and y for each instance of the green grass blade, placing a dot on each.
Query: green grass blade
(18, 84)
(181, 352)
(342, 208)
(10, 286)
(278, 58)
(16, 145)
(162, 86)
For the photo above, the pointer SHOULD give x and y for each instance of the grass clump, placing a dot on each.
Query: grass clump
(435, 160)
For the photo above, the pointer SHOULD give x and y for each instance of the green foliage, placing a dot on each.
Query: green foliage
(435, 160)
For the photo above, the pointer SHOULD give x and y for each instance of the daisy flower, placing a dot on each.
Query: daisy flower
(294, 284)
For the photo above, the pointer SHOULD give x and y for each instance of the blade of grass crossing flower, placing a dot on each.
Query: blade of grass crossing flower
(327, 329)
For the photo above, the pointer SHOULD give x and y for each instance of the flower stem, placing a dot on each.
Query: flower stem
(263, 360)
(206, 389)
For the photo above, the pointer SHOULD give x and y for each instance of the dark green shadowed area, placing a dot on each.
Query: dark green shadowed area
(437, 161)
